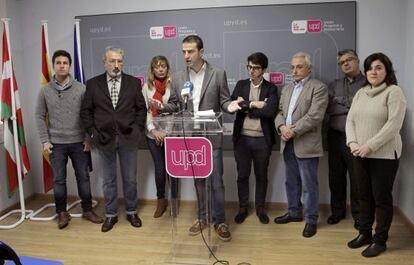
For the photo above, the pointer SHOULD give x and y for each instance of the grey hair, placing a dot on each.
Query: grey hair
(113, 49)
(306, 56)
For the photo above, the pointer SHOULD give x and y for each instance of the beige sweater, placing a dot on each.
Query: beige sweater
(375, 118)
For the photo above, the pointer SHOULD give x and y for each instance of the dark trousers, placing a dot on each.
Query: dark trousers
(80, 161)
(375, 181)
(158, 156)
(340, 163)
(248, 150)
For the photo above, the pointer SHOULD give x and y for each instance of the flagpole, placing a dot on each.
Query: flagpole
(34, 216)
(16, 142)
(44, 24)
(77, 27)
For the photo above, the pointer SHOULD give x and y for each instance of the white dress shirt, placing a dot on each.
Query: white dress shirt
(197, 80)
(294, 98)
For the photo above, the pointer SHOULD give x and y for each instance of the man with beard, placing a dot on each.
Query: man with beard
(113, 113)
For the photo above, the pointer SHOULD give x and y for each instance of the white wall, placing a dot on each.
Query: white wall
(381, 27)
(406, 180)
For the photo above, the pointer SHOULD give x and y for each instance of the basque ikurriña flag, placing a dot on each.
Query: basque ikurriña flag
(11, 110)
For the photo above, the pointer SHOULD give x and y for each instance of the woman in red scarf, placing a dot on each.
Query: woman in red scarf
(157, 94)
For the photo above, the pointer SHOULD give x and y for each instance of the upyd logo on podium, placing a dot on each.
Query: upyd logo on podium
(188, 157)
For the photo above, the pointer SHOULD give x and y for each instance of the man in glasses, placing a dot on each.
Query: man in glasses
(254, 134)
(341, 92)
(299, 123)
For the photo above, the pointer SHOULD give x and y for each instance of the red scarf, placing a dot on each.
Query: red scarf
(160, 87)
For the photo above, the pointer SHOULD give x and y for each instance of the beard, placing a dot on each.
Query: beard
(115, 73)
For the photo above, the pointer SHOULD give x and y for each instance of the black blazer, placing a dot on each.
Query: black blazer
(103, 122)
(266, 114)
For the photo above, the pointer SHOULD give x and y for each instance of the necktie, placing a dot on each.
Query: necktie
(114, 92)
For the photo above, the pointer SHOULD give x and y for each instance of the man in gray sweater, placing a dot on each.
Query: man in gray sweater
(62, 136)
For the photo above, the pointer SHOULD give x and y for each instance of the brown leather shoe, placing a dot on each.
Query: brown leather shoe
(197, 227)
(134, 220)
(223, 231)
(109, 223)
(161, 207)
(63, 219)
(93, 217)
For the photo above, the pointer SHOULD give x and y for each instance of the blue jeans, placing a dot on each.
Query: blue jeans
(128, 162)
(217, 190)
(80, 161)
(158, 156)
(301, 172)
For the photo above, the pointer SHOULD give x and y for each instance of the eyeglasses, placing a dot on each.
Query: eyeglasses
(255, 68)
(347, 60)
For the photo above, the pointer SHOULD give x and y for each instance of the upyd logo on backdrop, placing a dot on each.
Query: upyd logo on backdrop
(188, 157)
(303, 26)
(163, 32)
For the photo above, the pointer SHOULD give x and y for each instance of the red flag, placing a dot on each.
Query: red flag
(9, 111)
(46, 77)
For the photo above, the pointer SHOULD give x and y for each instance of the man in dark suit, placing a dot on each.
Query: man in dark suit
(254, 134)
(113, 113)
(299, 122)
(210, 92)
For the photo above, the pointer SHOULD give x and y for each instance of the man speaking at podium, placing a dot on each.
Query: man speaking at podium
(210, 92)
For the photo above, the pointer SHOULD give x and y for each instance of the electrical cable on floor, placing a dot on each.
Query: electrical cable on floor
(223, 262)
(198, 200)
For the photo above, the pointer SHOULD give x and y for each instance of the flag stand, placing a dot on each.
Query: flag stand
(24, 213)
(33, 217)
(47, 79)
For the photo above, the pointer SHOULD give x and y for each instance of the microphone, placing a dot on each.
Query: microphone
(187, 92)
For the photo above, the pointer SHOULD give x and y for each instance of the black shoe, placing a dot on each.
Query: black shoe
(134, 220)
(334, 219)
(373, 250)
(109, 223)
(263, 218)
(309, 230)
(356, 224)
(360, 240)
(241, 216)
(284, 219)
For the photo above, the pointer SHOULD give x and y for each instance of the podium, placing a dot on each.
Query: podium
(188, 154)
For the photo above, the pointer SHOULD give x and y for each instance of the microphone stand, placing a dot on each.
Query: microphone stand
(184, 112)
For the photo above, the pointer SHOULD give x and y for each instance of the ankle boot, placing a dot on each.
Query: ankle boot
(161, 207)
